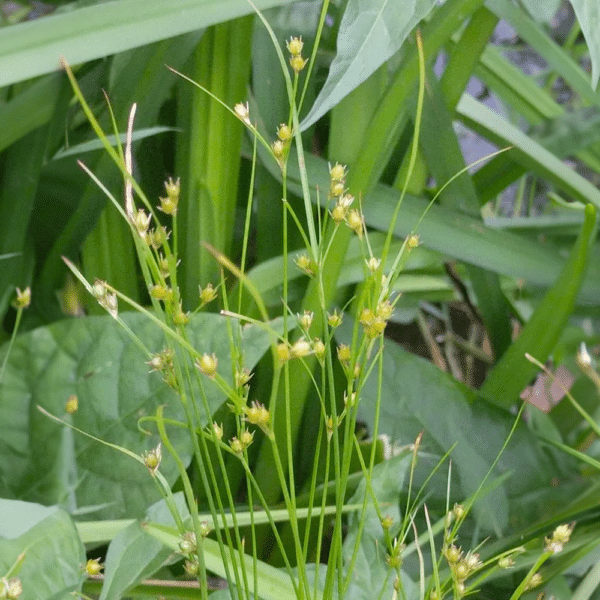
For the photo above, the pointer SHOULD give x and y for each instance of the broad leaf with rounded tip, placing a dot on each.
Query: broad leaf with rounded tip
(416, 396)
(94, 359)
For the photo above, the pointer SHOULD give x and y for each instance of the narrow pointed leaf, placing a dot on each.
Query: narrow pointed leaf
(513, 372)
(371, 32)
(588, 15)
(35, 47)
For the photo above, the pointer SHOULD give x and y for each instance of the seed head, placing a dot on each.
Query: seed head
(236, 445)
(337, 188)
(160, 292)
(207, 364)
(71, 404)
(242, 112)
(458, 511)
(337, 172)
(301, 348)
(242, 377)
(11, 588)
(152, 459)
(246, 438)
(278, 148)
(180, 317)
(23, 299)
(373, 264)
(298, 63)
(111, 304)
(340, 210)
(207, 294)
(344, 353)
(412, 241)
(506, 562)
(334, 319)
(319, 349)
(205, 529)
(163, 265)
(258, 415)
(187, 544)
(350, 400)
(283, 352)
(453, 554)
(355, 221)
(535, 580)
(295, 46)
(191, 567)
(560, 536)
(305, 264)
(218, 429)
(157, 237)
(141, 221)
(169, 204)
(305, 320)
(93, 566)
(284, 132)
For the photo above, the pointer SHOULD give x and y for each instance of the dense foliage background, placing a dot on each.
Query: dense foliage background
(507, 261)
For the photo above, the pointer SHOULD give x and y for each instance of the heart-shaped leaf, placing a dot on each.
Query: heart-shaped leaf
(95, 360)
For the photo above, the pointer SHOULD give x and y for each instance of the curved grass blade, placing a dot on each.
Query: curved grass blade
(513, 372)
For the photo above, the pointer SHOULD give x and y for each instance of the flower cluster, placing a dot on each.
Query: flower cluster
(281, 145)
(106, 300)
(374, 322)
(341, 211)
(258, 415)
(163, 362)
(153, 458)
(560, 536)
(294, 47)
(299, 349)
(239, 444)
(462, 566)
(23, 299)
(169, 204)
(11, 588)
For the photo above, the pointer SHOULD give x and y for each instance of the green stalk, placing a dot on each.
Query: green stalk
(384, 130)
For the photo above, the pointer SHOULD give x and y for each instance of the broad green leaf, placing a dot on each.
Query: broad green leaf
(53, 551)
(34, 48)
(503, 252)
(134, 555)
(588, 15)
(527, 151)
(417, 396)
(273, 584)
(371, 31)
(513, 372)
(94, 359)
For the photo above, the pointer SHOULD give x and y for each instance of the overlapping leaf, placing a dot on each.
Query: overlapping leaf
(371, 31)
(94, 359)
